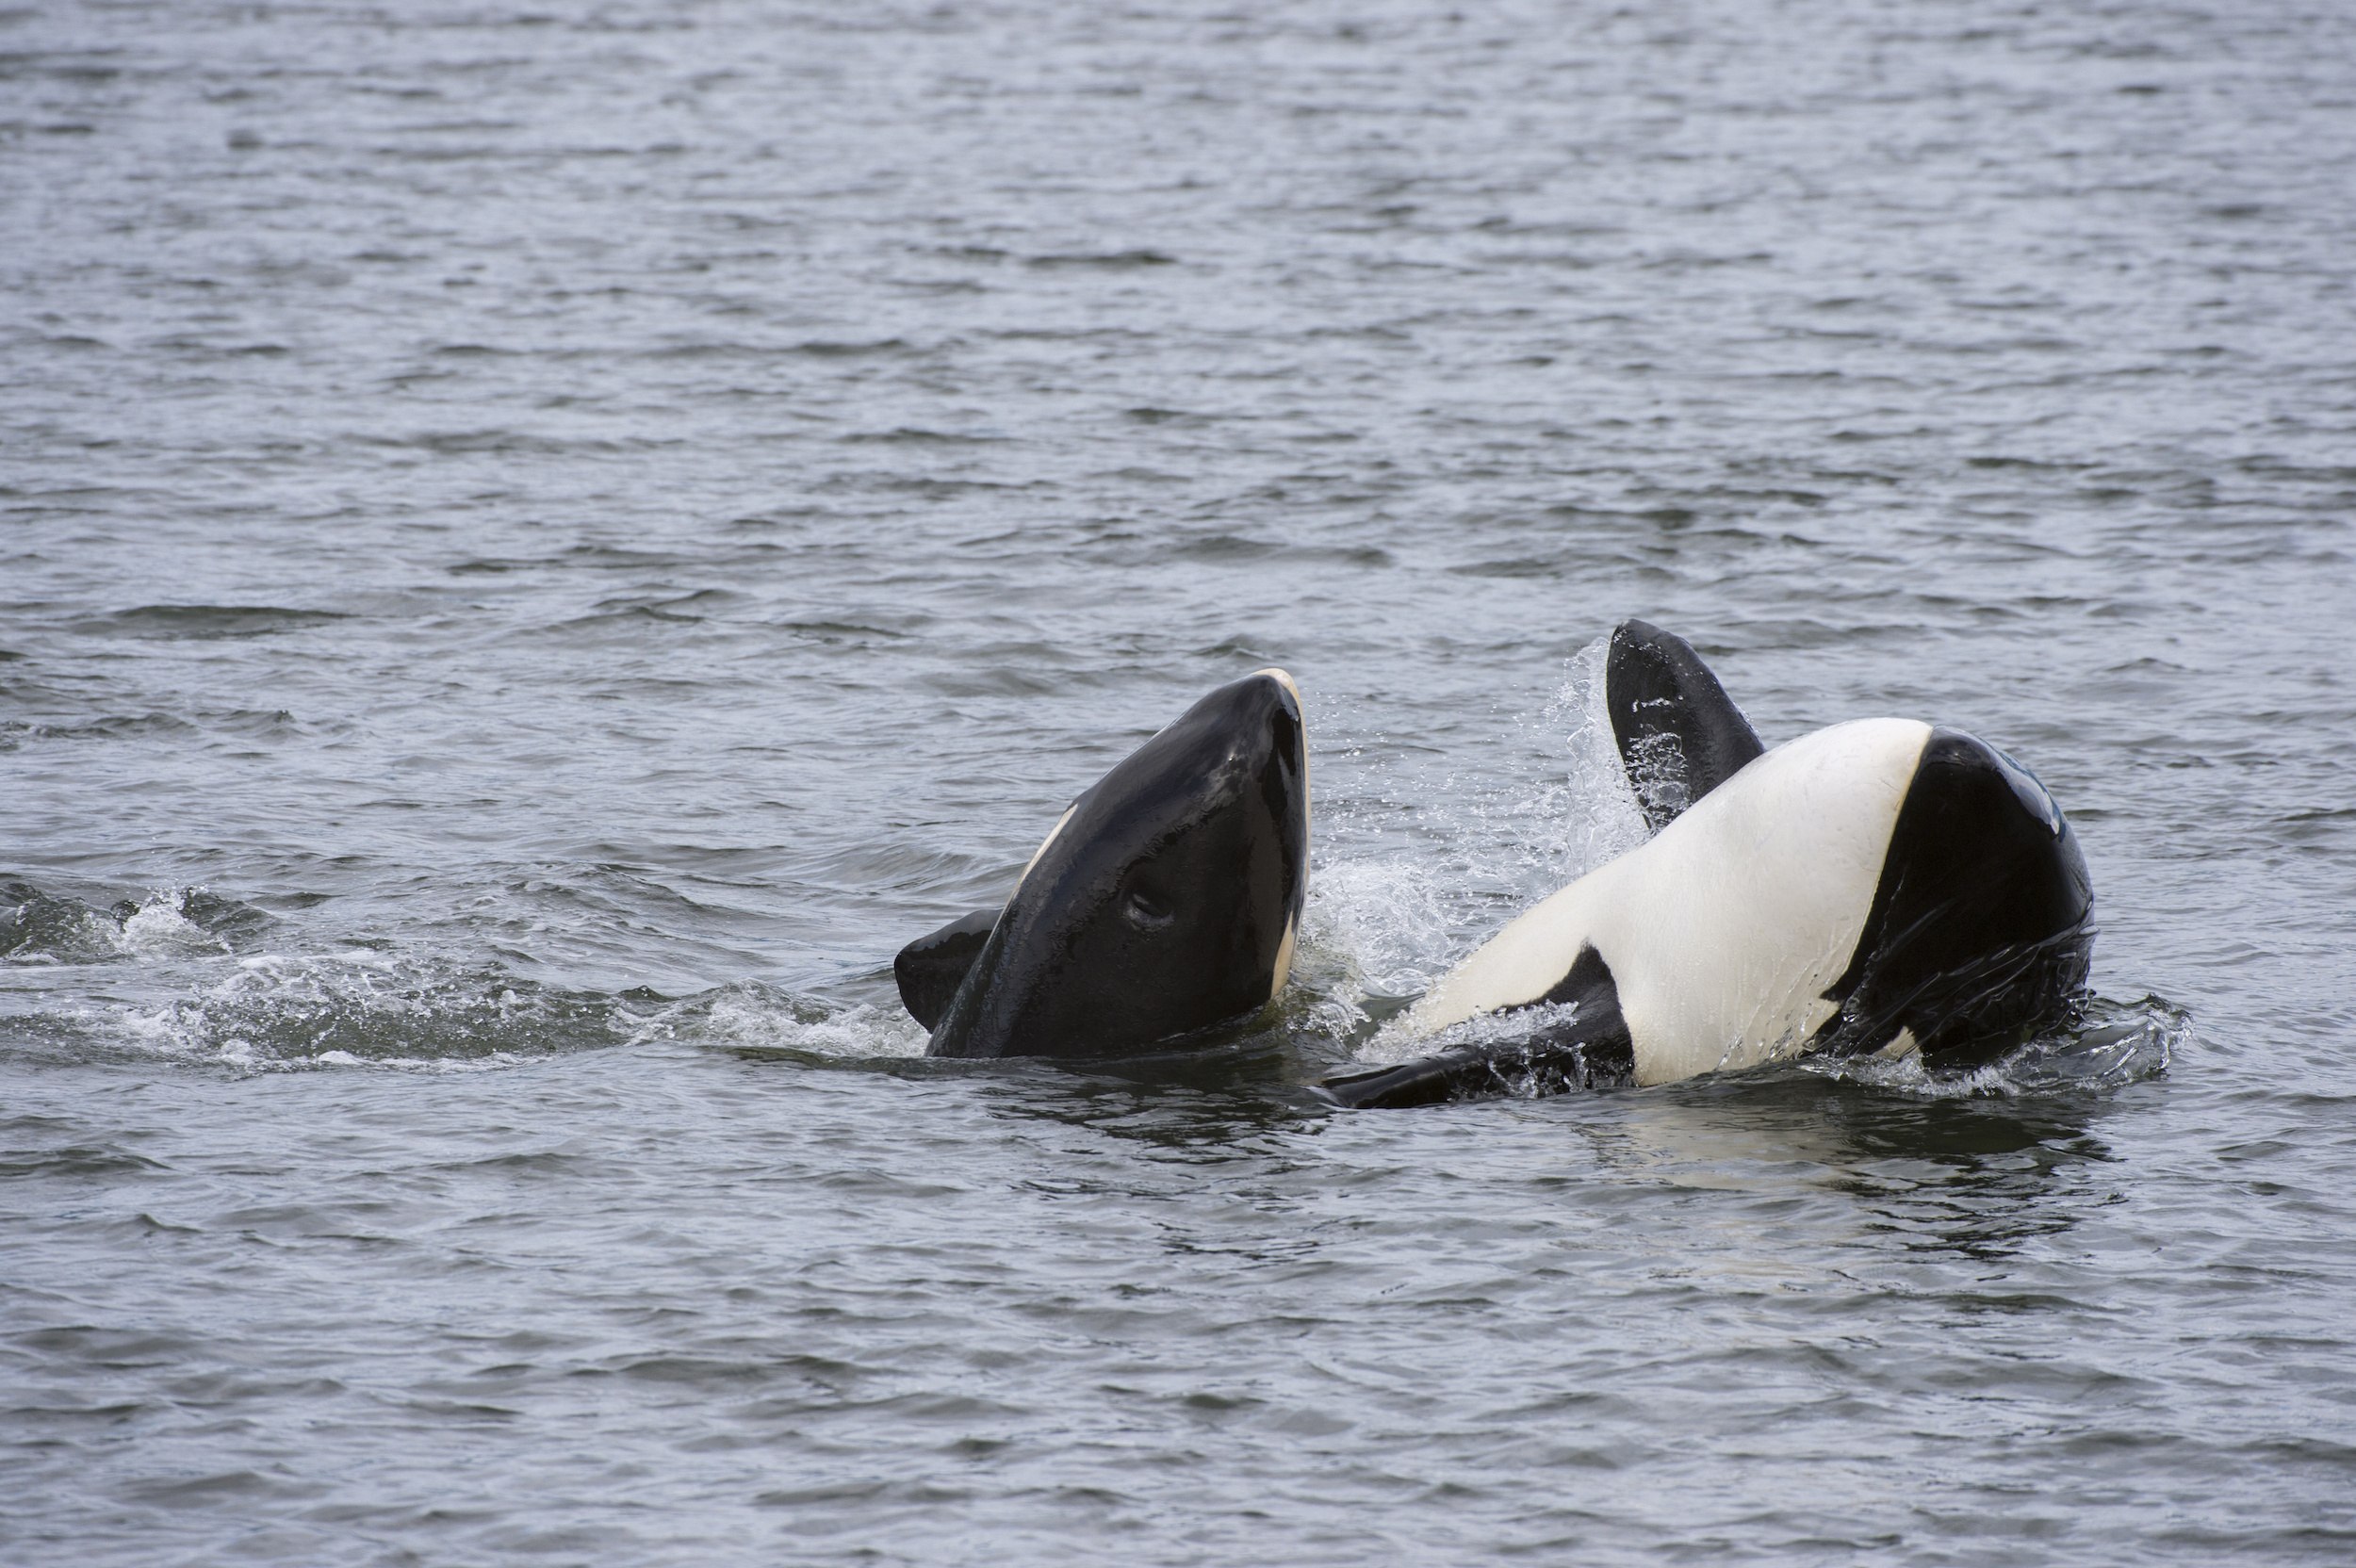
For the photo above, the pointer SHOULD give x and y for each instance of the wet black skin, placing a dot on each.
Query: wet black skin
(1981, 929)
(930, 969)
(1161, 905)
(1680, 736)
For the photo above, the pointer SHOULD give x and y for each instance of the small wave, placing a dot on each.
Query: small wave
(371, 1010)
(162, 927)
(2113, 1045)
(757, 1018)
(112, 727)
(205, 622)
(38, 927)
(1112, 261)
(818, 348)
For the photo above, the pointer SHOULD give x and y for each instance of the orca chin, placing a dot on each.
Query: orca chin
(1165, 899)
(1880, 886)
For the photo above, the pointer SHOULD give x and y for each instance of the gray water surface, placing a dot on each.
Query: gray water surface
(538, 546)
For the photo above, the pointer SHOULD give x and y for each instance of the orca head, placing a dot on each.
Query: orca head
(1168, 898)
(1981, 926)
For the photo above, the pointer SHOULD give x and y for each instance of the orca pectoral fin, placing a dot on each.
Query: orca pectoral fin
(1578, 1040)
(1430, 1081)
(1522, 1070)
(1680, 736)
(930, 969)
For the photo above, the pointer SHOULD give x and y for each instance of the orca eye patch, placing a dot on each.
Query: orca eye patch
(1145, 912)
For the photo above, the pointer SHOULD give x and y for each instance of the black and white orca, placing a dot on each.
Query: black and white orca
(1167, 898)
(1880, 886)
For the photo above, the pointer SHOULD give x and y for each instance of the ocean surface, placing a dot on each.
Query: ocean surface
(539, 544)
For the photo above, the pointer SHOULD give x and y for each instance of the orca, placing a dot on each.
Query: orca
(1165, 899)
(1882, 885)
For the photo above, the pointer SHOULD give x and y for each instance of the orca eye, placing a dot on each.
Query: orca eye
(1146, 912)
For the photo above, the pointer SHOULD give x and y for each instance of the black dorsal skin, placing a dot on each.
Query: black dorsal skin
(1680, 736)
(1168, 898)
(930, 969)
(1980, 931)
(1591, 1050)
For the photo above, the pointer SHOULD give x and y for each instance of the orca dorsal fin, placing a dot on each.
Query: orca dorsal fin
(931, 967)
(1680, 736)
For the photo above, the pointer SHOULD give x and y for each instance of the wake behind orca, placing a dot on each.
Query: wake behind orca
(1880, 886)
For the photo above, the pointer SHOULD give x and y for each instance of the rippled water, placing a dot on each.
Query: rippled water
(541, 546)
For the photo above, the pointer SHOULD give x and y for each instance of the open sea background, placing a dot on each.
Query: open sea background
(542, 543)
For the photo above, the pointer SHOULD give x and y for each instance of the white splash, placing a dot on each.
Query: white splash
(1591, 816)
(160, 928)
(283, 1013)
(2117, 1043)
(1395, 1042)
(1383, 930)
(749, 1016)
